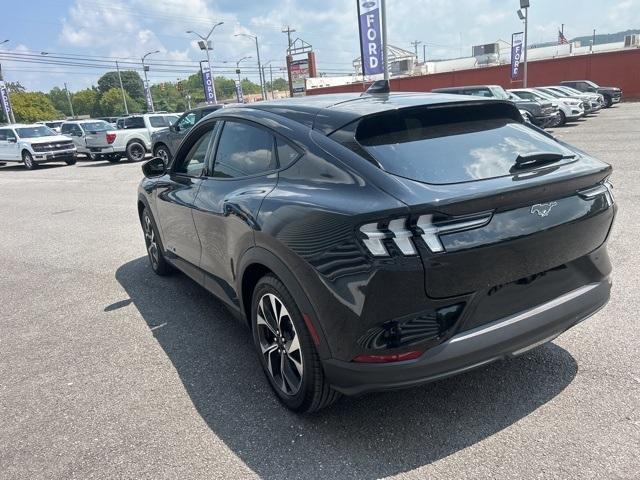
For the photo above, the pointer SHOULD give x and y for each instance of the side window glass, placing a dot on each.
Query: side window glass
(286, 153)
(3, 135)
(187, 121)
(243, 150)
(194, 161)
(65, 128)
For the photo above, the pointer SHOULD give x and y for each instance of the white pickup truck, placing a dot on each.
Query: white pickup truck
(33, 144)
(133, 140)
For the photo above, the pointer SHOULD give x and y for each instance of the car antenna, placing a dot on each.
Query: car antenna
(379, 86)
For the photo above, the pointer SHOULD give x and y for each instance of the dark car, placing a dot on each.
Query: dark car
(541, 114)
(611, 94)
(165, 142)
(382, 241)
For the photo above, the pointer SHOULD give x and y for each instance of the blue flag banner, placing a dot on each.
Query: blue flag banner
(207, 82)
(6, 102)
(517, 45)
(370, 37)
(239, 94)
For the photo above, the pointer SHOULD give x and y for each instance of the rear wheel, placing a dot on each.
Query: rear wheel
(135, 151)
(154, 247)
(286, 350)
(71, 161)
(27, 158)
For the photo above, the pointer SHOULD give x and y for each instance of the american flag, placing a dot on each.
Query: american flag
(562, 40)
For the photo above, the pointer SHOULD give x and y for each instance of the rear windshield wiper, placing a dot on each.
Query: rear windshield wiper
(539, 158)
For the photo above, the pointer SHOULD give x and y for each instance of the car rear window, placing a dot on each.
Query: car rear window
(451, 145)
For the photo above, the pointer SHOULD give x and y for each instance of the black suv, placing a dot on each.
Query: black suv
(611, 94)
(164, 143)
(382, 241)
(541, 114)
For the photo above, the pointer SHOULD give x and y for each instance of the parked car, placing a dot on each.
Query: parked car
(133, 138)
(33, 144)
(53, 125)
(596, 99)
(611, 94)
(382, 241)
(569, 109)
(110, 120)
(585, 102)
(89, 138)
(165, 141)
(542, 114)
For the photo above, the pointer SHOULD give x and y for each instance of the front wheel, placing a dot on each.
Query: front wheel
(286, 350)
(563, 118)
(154, 247)
(27, 158)
(608, 102)
(162, 151)
(71, 161)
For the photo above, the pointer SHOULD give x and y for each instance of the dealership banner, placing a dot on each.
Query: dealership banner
(370, 37)
(517, 45)
(6, 102)
(207, 82)
(239, 94)
(147, 96)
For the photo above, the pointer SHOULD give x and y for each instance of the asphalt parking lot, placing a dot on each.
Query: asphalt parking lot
(108, 371)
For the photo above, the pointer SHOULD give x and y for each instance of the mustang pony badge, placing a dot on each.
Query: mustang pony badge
(543, 209)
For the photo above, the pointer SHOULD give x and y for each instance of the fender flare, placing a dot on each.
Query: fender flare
(262, 256)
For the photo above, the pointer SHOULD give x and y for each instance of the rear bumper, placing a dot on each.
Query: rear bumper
(473, 348)
(101, 150)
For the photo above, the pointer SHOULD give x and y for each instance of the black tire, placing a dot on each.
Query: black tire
(28, 161)
(162, 151)
(115, 158)
(608, 102)
(313, 391)
(135, 151)
(70, 161)
(563, 119)
(2, 164)
(155, 253)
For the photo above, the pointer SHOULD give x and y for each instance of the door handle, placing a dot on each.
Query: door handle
(229, 208)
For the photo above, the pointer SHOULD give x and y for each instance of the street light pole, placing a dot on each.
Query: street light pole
(145, 68)
(124, 97)
(12, 118)
(206, 45)
(524, 5)
(385, 57)
(263, 89)
(73, 115)
(238, 72)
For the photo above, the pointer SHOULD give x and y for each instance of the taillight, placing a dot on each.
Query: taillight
(397, 230)
(111, 137)
(394, 357)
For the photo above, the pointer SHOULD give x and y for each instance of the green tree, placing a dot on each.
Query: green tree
(131, 82)
(15, 87)
(278, 84)
(32, 107)
(111, 103)
(249, 87)
(87, 102)
(58, 98)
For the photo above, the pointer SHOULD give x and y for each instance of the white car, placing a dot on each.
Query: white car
(133, 136)
(33, 144)
(568, 108)
(89, 138)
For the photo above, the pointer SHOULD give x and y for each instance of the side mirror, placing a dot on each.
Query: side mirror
(154, 168)
(175, 127)
(12, 140)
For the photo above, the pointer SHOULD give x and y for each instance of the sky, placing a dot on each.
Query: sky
(127, 29)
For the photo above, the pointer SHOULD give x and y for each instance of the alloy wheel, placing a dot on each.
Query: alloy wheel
(163, 154)
(279, 344)
(28, 160)
(137, 152)
(150, 239)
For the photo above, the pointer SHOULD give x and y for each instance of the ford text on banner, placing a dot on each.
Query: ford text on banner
(147, 95)
(517, 41)
(207, 82)
(6, 103)
(370, 37)
(239, 94)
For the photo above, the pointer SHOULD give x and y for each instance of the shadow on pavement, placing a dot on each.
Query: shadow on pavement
(367, 437)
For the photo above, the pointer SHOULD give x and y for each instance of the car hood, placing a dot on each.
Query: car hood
(48, 139)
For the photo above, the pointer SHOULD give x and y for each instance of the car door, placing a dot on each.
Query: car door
(9, 149)
(226, 207)
(175, 194)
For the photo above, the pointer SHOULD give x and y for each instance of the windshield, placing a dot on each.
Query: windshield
(451, 146)
(35, 132)
(552, 93)
(500, 93)
(570, 90)
(96, 126)
(544, 94)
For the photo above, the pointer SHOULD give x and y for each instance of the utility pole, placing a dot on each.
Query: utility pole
(424, 54)
(124, 98)
(385, 56)
(593, 42)
(415, 44)
(524, 5)
(271, 79)
(288, 30)
(263, 89)
(12, 118)
(69, 100)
